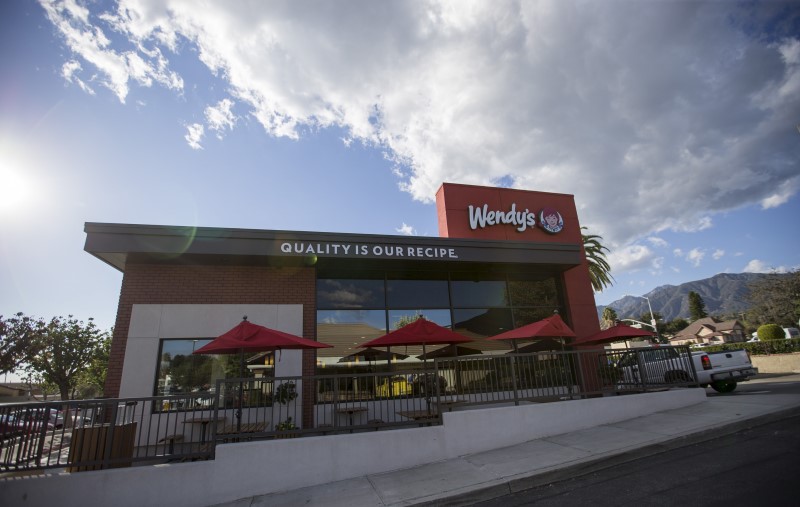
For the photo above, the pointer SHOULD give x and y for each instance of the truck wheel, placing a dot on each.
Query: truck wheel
(723, 386)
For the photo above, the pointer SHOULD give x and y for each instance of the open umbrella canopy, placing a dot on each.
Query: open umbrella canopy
(371, 354)
(420, 332)
(249, 337)
(452, 350)
(550, 327)
(615, 333)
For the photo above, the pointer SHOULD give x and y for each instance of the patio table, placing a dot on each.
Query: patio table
(350, 411)
(203, 422)
(449, 403)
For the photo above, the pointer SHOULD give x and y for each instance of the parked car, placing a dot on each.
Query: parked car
(10, 426)
(791, 332)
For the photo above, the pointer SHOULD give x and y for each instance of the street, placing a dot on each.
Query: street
(754, 466)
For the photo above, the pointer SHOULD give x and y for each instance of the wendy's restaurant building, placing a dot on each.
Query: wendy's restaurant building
(504, 258)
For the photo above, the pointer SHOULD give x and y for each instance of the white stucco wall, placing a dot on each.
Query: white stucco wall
(256, 468)
(150, 323)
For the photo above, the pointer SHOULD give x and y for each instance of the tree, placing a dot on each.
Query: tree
(775, 299)
(608, 318)
(697, 307)
(16, 340)
(769, 332)
(60, 351)
(93, 379)
(675, 326)
(405, 320)
(599, 268)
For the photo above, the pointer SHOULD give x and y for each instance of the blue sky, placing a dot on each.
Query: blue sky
(672, 124)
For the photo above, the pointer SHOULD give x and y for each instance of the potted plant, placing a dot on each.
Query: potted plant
(285, 393)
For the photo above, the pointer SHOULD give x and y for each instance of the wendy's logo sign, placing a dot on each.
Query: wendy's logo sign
(551, 220)
(482, 217)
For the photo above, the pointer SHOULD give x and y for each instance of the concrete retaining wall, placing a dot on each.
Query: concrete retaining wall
(257, 468)
(778, 363)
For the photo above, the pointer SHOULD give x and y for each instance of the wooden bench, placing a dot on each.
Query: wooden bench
(232, 429)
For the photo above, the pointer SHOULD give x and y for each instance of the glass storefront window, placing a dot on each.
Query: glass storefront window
(180, 371)
(479, 293)
(533, 292)
(482, 322)
(417, 293)
(525, 316)
(350, 293)
(346, 330)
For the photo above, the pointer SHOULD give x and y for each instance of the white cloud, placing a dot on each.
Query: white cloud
(69, 72)
(695, 256)
(677, 252)
(657, 242)
(718, 254)
(630, 258)
(220, 117)
(86, 37)
(758, 266)
(687, 103)
(784, 192)
(406, 230)
(194, 134)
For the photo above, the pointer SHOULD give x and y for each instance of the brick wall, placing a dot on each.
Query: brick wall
(174, 284)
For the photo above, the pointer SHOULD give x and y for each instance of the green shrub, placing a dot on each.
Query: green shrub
(771, 332)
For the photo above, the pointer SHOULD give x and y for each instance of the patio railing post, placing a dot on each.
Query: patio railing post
(581, 377)
(514, 378)
(112, 423)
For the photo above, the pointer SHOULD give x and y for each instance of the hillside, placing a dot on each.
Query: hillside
(723, 294)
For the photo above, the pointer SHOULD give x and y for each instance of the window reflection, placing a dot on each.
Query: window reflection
(180, 371)
(479, 293)
(533, 292)
(350, 293)
(346, 330)
(417, 293)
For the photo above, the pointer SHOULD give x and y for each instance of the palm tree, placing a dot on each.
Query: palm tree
(599, 269)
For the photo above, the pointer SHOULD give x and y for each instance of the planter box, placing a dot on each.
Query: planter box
(90, 445)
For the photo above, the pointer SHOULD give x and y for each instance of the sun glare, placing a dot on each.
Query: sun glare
(16, 191)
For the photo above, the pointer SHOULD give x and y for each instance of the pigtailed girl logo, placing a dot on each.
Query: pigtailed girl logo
(551, 220)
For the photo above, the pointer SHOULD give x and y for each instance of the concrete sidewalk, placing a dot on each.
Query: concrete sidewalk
(486, 475)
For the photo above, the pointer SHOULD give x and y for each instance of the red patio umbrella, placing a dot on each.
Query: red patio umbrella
(550, 327)
(420, 332)
(615, 333)
(249, 337)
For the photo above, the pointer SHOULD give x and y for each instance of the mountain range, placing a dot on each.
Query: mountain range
(724, 294)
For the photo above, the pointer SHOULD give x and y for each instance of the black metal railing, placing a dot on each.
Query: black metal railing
(107, 433)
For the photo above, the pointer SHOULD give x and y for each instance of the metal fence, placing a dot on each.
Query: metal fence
(108, 433)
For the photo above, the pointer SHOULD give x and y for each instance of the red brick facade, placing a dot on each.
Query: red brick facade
(180, 284)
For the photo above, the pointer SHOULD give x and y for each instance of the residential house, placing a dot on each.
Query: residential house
(711, 332)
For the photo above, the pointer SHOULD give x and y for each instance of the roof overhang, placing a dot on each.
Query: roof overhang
(122, 244)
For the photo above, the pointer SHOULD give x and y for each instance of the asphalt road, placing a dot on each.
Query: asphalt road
(754, 466)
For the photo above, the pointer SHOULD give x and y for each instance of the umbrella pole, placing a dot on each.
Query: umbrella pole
(425, 378)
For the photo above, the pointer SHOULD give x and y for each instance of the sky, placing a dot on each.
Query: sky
(673, 124)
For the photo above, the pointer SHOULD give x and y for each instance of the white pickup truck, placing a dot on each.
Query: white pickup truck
(671, 365)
